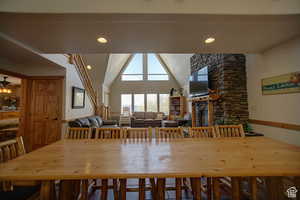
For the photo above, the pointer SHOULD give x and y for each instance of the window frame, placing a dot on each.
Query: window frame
(146, 102)
(145, 75)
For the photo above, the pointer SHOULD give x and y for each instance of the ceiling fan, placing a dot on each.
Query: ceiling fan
(4, 83)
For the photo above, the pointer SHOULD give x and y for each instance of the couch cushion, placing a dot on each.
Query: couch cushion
(139, 115)
(150, 115)
(100, 121)
(75, 124)
(84, 122)
(94, 122)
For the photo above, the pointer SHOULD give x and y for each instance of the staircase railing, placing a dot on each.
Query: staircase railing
(80, 66)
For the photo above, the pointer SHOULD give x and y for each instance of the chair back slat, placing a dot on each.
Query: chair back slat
(202, 132)
(168, 133)
(9, 150)
(229, 131)
(137, 133)
(108, 133)
(78, 133)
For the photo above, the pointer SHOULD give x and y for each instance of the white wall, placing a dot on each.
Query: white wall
(283, 108)
(180, 67)
(119, 87)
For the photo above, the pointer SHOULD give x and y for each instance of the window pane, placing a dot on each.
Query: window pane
(164, 103)
(154, 66)
(132, 77)
(158, 77)
(135, 65)
(139, 103)
(152, 103)
(126, 102)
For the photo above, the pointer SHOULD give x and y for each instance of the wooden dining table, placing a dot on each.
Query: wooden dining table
(97, 159)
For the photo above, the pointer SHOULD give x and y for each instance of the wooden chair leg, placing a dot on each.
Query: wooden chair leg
(115, 189)
(178, 182)
(84, 189)
(123, 189)
(45, 190)
(153, 189)
(274, 188)
(161, 184)
(104, 190)
(253, 188)
(209, 188)
(235, 188)
(196, 182)
(216, 189)
(141, 189)
(66, 190)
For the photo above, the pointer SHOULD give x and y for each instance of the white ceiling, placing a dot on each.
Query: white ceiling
(160, 33)
(154, 6)
(179, 65)
(114, 66)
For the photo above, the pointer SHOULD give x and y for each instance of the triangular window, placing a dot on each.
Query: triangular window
(138, 69)
(134, 69)
(156, 71)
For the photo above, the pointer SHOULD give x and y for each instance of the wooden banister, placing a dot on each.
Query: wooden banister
(78, 61)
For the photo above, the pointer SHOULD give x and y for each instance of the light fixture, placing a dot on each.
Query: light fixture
(210, 40)
(102, 40)
(89, 67)
(4, 85)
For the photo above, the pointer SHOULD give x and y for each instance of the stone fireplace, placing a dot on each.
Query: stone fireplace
(227, 75)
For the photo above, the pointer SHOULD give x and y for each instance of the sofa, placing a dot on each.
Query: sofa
(147, 119)
(93, 122)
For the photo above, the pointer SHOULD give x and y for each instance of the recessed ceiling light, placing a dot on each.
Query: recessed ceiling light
(102, 40)
(89, 67)
(210, 40)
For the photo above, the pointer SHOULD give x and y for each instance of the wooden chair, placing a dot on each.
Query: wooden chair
(108, 133)
(78, 133)
(165, 134)
(137, 134)
(9, 150)
(202, 132)
(168, 133)
(229, 131)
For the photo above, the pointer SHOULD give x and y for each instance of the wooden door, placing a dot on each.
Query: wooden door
(43, 114)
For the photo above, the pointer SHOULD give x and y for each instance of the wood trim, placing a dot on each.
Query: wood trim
(295, 127)
(10, 73)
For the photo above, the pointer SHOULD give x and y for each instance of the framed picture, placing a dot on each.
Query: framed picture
(286, 83)
(78, 97)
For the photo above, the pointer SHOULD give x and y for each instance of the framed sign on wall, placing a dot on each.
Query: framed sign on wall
(282, 84)
(78, 97)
